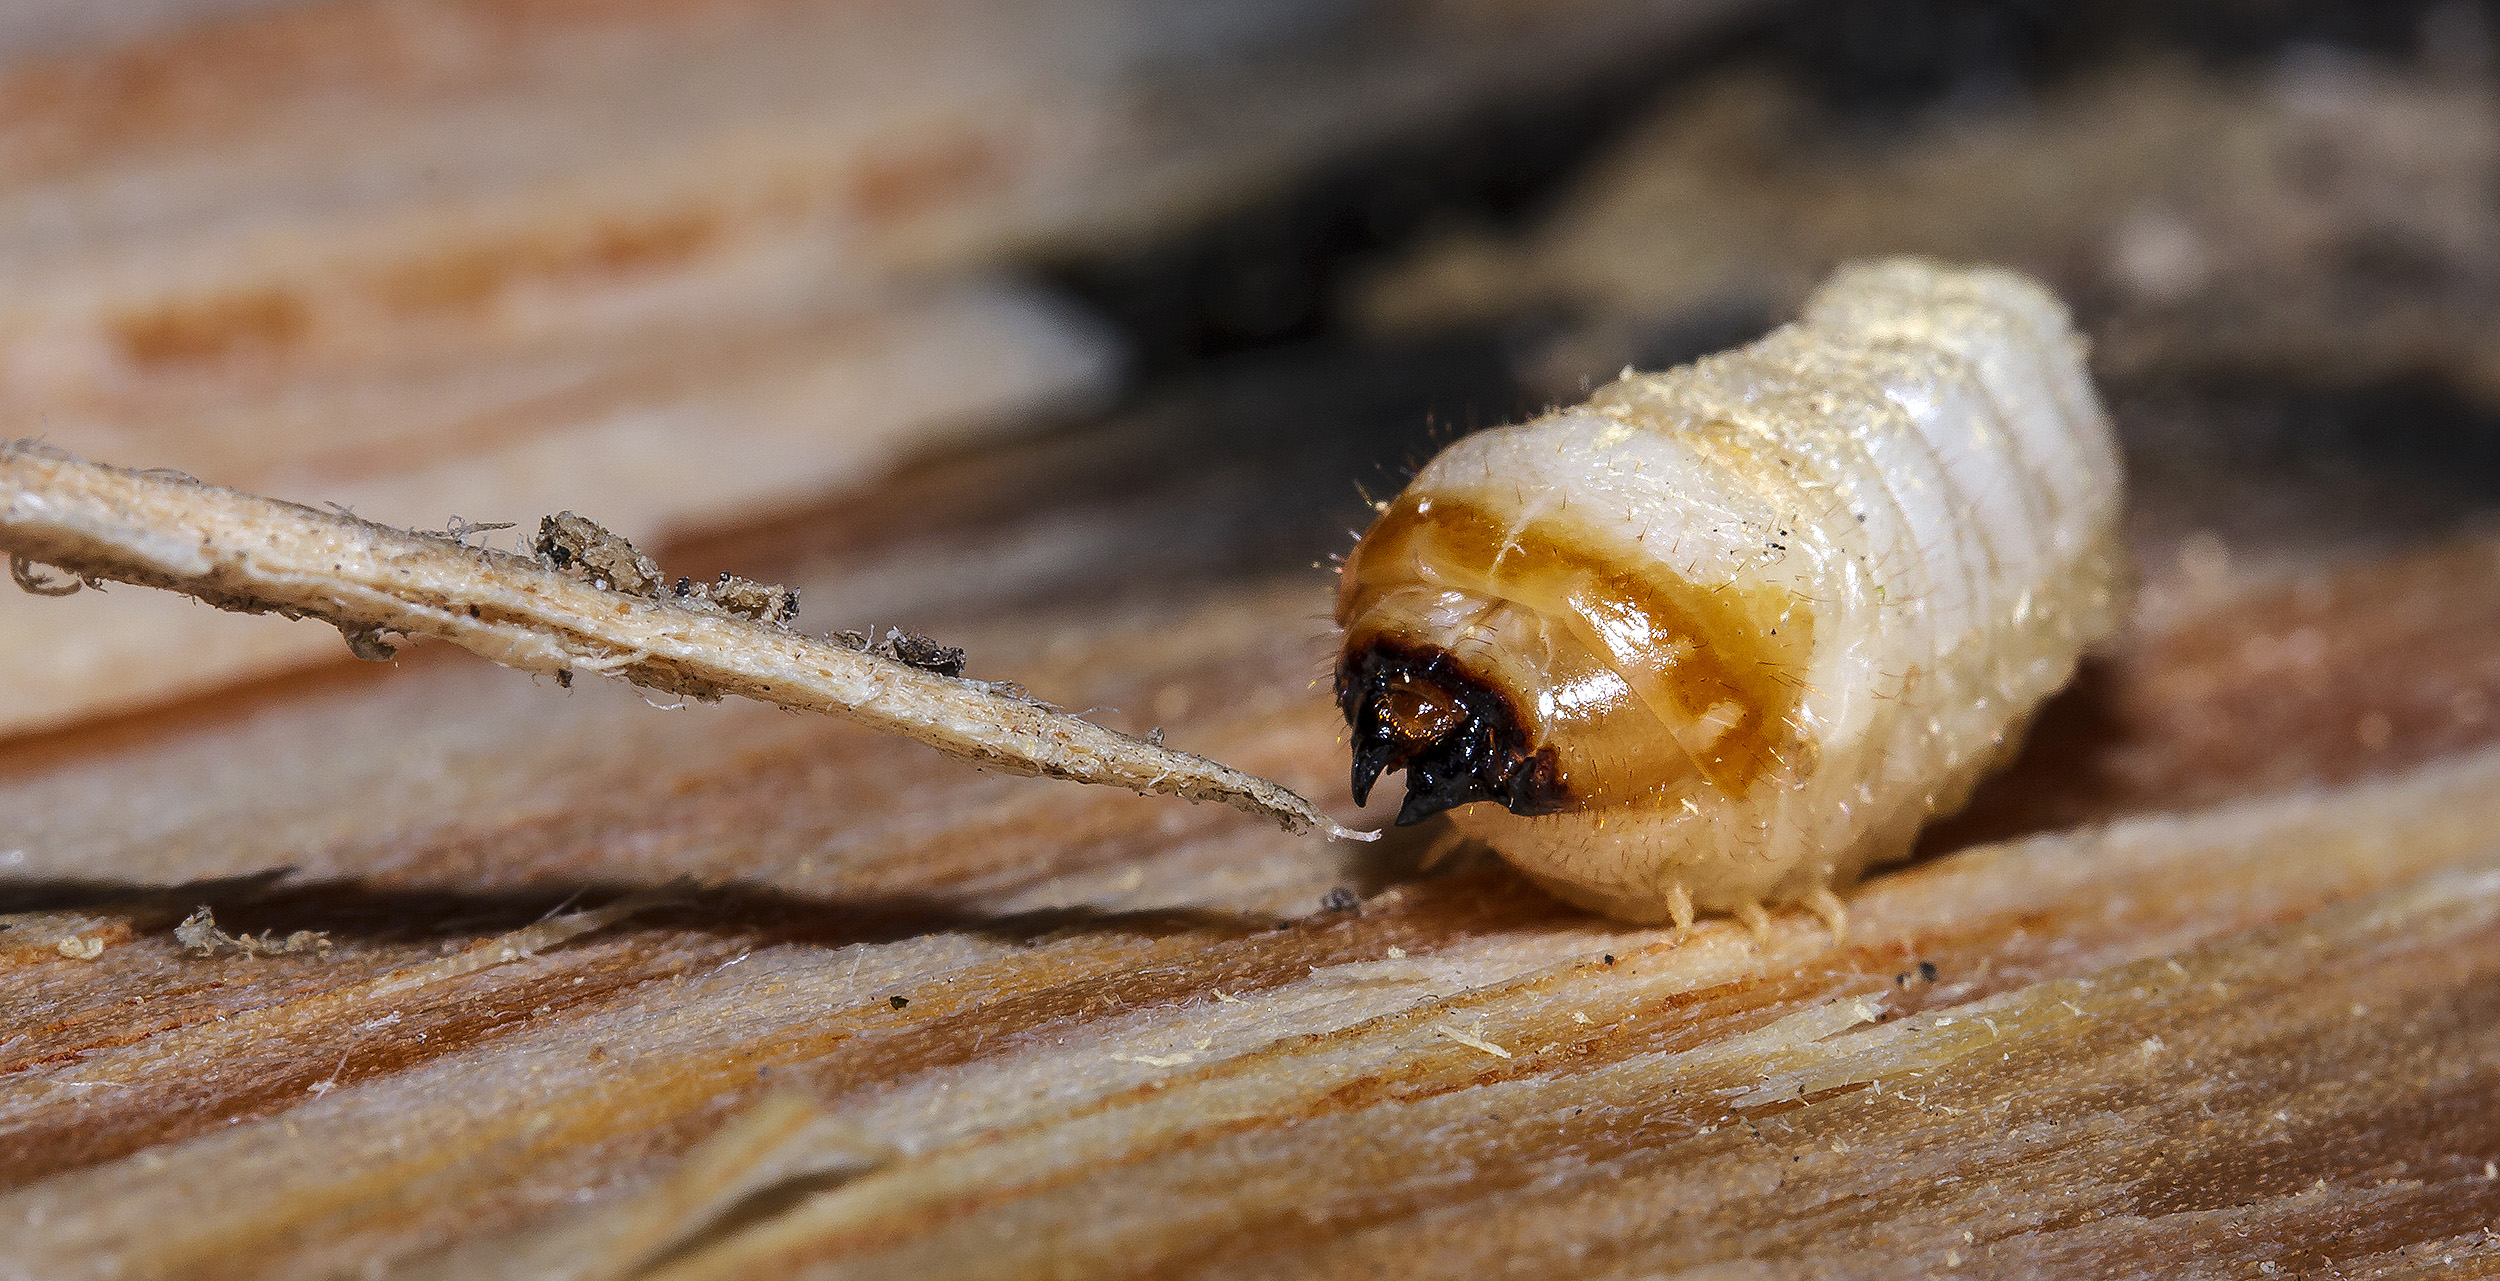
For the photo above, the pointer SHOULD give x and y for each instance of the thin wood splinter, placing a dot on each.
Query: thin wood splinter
(251, 554)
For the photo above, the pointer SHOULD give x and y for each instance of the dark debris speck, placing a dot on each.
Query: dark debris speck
(919, 651)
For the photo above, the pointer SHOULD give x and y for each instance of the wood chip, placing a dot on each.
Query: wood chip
(1472, 1040)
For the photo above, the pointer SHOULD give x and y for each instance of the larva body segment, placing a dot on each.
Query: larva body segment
(1724, 636)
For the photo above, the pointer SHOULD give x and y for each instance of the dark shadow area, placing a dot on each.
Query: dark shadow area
(78, 894)
(1270, 274)
(2392, 462)
(1257, 464)
(359, 912)
(1881, 59)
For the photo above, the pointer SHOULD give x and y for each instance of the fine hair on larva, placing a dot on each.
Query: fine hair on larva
(1723, 637)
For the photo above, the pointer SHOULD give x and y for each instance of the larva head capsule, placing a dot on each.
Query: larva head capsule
(1494, 655)
(1415, 707)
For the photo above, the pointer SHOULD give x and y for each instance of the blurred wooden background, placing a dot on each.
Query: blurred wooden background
(1074, 333)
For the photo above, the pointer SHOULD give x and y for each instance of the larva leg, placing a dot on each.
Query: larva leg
(1827, 905)
(1756, 920)
(1680, 906)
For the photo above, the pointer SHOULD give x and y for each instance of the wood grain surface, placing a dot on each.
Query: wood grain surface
(513, 980)
(2201, 986)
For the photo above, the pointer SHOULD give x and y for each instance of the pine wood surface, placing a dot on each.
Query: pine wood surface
(2209, 968)
(2203, 986)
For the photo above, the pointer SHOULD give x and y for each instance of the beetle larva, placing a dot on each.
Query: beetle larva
(1724, 636)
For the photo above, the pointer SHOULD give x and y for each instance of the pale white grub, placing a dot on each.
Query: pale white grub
(1727, 635)
(89, 521)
